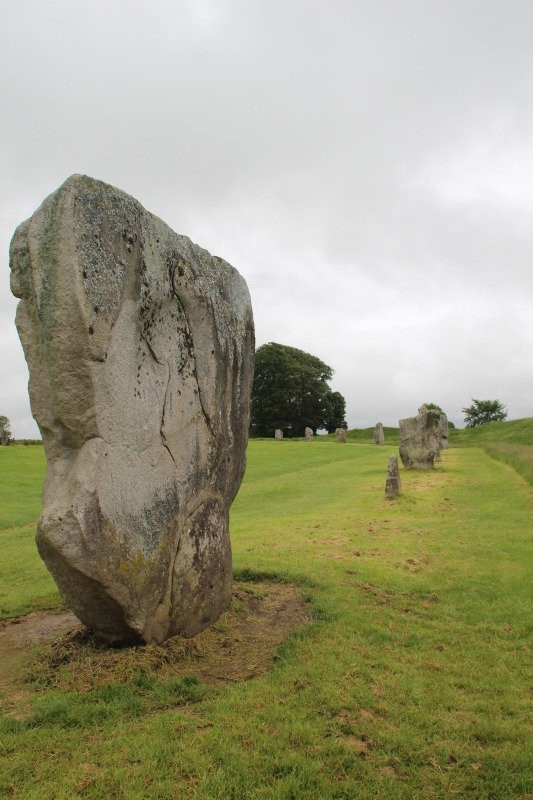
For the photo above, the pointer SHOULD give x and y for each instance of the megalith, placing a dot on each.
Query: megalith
(278, 434)
(341, 435)
(379, 435)
(140, 347)
(393, 484)
(419, 443)
(308, 433)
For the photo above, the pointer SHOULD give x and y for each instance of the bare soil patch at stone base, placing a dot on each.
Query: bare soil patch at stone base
(17, 636)
(239, 646)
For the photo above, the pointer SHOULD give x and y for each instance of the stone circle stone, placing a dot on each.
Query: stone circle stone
(341, 435)
(140, 346)
(308, 433)
(379, 435)
(393, 484)
(419, 442)
(278, 434)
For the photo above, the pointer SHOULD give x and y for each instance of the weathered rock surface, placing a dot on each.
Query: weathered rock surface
(278, 434)
(393, 484)
(341, 435)
(419, 442)
(443, 431)
(140, 347)
(379, 435)
(308, 433)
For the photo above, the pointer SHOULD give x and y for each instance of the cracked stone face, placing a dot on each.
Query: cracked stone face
(419, 439)
(140, 347)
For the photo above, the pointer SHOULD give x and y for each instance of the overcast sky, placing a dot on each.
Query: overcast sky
(367, 166)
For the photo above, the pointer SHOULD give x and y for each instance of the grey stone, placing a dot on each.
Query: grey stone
(308, 433)
(379, 435)
(443, 431)
(419, 442)
(278, 434)
(140, 347)
(393, 484)
(341, 435)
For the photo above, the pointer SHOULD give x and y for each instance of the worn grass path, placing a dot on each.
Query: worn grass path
(411, 682)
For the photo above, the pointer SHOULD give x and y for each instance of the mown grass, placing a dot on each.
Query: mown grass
(411, 682)
(510, 441)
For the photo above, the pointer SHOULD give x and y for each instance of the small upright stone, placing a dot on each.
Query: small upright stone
(419, 442)
(278, 434)
(308, 433)
(341, 435)
(379, 435)
(393, 484)
(140, 347)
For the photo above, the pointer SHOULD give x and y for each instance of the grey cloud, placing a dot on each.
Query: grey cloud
(364, 164)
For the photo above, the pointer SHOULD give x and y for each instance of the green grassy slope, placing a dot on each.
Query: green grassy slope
(510, 441)
(411, 683)
(516, 431)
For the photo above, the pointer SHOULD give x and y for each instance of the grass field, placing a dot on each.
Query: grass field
(410, 681)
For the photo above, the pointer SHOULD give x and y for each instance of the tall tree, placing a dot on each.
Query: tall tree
(483, 411)
(291, 392)
(5, 430)
(337, 413)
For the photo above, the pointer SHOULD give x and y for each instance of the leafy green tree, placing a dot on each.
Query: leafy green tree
(291, 391)
(337, 412)
(434, 407)
(5, 430)
(483, 411)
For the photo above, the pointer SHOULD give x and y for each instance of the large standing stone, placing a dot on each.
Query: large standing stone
(419, 442)
(393, 484)
(278, 434)
(379, 435)
(140, 347)
(341, 435)
(308, 433)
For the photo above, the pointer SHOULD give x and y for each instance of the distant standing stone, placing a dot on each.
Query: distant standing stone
(308, 433)
(419, 443)
(379, 435)
(443, 431)
(341, 435)
(393, 484)
(278, 434)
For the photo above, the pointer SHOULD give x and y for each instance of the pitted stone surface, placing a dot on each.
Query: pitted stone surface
(278, 434)
(419, 443)
(341, 435)
(443, 431)
(140, 347)
(393, 484)
(379, 435)
(308, 433)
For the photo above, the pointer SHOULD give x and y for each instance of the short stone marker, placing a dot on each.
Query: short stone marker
(140, 346)
(393, 484)
(341, 435)
(419, 442)
(309, 433)
(379, 435)
(278, 434)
